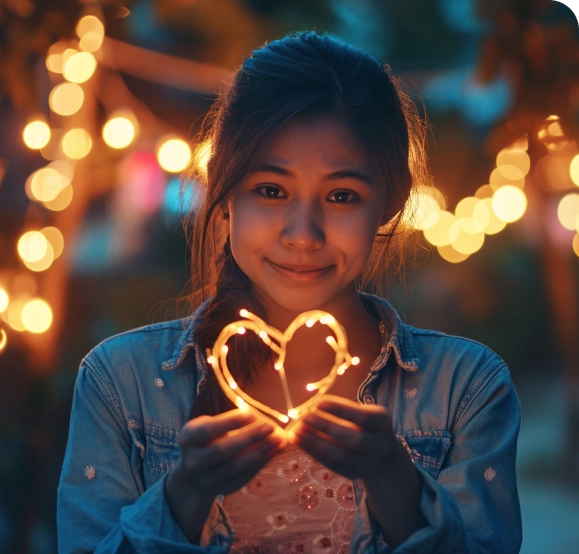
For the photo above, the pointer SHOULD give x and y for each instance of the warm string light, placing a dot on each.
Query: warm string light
(339, 344)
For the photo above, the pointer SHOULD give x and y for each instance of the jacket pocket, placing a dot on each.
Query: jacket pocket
(158, 447)
(427, 448)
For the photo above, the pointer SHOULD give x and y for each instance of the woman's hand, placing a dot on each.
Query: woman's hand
(358, 441)
(354, 440)
(219, 454)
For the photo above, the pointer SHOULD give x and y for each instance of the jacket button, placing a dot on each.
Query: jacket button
(368, 399)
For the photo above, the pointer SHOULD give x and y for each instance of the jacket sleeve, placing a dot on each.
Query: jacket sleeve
(472, 505)
(102, 502)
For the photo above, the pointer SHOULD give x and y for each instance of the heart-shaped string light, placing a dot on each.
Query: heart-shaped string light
(339, 343)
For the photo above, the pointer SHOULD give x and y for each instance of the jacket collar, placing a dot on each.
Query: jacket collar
(396, 336)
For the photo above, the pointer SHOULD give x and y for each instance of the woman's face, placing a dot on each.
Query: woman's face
(303, 223)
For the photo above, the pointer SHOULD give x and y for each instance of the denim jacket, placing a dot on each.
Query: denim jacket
(453, 407)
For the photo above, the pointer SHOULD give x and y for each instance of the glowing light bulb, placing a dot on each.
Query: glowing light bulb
(36, 316)
(509, 203)
(32, 246)
(66, 98)
(310, 387)
(4, 300)
(355, 360)
(76, 143)
(225, 349)
(568, 211)
(310, 323)
(243, 312)
(119, 132)
(292, 414)
(241, 330)
(232, 384)
(174, 155)
(79, 68)
(36, 135)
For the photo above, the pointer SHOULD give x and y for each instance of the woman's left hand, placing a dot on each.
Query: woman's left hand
(357, 441)
(354, 440)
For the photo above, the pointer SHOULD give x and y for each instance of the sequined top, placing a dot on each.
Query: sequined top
(294, 504)
(452, 403)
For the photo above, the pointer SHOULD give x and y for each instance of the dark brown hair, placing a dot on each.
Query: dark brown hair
(301, 74)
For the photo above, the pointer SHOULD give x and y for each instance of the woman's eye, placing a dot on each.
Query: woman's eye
(270, 191)
(343, 197)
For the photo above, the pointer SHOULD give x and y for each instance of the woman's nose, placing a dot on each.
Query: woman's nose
(303, 227)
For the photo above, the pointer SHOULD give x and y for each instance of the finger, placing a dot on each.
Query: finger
(329, 454)
(339, 430)
(204, 429)
(370, 417)
(226, 447)
(249, 462)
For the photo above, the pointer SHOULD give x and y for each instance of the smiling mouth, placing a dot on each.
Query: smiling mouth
(302, 273)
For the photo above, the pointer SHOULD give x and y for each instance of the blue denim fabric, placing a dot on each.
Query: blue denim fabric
(453, 406)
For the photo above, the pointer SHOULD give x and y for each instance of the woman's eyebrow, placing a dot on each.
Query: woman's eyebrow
(334, 176)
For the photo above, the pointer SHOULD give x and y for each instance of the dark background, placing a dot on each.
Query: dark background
(483, 70)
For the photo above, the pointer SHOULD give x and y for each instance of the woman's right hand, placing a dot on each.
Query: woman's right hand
(219, 454)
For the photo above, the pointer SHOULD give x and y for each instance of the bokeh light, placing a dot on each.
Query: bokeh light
(444, 231)
(36, 135)
(79, 68)
(509, 203)
(486, 191)
(43, 263)
(469, 237)
(568, 211)
(574, 169)
(497, 180)
(119, 132)
(423, 210)
(449, 254)
(53, 150)
(576, 244)
(202, 155)
(62, 201)
(513, 163)
(46, 184)
(54, 59)
(494, 224)
(13, 314)
(36, 316)
(173, 155)
(3, 340)
(32, 246)
(89, 24)
(55, 238)
(66, 98)
(4, 300)
(76, 143)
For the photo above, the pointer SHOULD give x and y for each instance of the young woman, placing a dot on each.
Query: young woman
(314, 155)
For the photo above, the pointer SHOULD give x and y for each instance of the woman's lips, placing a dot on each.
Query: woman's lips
(302, 273)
